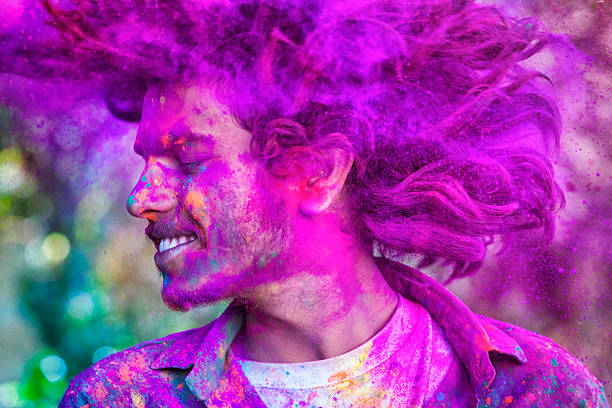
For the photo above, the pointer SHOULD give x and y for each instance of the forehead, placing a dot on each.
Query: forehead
(184, 113)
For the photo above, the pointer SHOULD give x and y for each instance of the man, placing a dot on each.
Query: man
(286, 144)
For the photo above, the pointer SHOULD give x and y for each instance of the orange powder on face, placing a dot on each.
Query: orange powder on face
(166, 140)
(194, 199)
(195, 204)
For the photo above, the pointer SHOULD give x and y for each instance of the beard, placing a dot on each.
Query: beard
(245, 244)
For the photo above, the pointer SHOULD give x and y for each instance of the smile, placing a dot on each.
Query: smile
(169, 243)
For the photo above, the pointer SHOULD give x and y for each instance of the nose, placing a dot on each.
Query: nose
(153, 195)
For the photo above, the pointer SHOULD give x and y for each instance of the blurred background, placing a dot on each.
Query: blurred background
(77, 279)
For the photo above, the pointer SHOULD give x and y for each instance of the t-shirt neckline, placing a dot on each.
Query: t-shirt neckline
(323, 373)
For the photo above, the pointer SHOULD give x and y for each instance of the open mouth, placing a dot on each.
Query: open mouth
(170, 250)
(169, 243)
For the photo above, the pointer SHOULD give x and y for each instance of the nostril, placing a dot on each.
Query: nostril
(150, 215)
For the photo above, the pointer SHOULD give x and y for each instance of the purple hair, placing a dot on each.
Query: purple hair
(452, 138)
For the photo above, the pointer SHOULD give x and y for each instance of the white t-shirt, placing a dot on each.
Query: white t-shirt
(401, 366)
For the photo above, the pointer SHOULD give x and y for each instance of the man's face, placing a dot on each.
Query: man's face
(213, 211)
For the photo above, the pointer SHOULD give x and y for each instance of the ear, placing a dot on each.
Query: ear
(319, 192)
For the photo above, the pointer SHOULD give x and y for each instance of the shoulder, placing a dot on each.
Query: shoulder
(129, 375)
(551, 377)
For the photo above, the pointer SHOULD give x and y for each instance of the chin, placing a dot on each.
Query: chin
(183, 298)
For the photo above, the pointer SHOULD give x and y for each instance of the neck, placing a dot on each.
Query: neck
(334, 300)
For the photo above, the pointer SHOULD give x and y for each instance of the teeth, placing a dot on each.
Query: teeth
(169, 243)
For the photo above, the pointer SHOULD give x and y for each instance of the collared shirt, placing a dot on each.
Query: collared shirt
(406, 364)
(506, 365)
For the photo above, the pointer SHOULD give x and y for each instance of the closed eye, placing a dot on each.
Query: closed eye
(196, 166)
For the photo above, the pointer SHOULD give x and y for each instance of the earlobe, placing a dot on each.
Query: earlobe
(311, 207)
(320, 192)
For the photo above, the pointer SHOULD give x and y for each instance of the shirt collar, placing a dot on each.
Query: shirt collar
(471, 336)
(215, 376)
(216, 373)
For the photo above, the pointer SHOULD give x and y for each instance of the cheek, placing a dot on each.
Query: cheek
(208, 202)
(228, 202)
(196, 203)
(200, 191)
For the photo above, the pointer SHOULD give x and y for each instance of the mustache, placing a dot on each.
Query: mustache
(169, 228)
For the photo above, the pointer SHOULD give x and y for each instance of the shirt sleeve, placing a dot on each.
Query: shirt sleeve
(75, 396)
(551, 378)
(553, 392)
